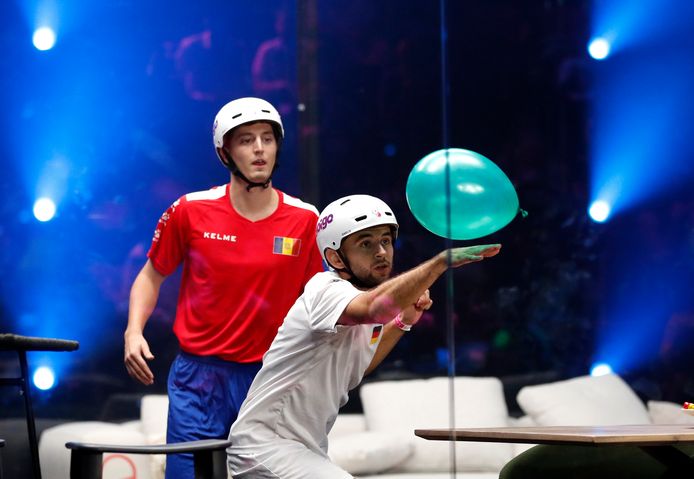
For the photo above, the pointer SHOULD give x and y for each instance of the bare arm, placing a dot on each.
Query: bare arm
(144, 294)
(388, 299)
(392, 334)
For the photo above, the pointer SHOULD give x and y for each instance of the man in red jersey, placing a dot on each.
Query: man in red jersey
(247, 251)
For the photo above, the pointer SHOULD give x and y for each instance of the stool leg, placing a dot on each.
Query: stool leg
(31, 425)
(210, 464)
(86, 464)
(219, 464)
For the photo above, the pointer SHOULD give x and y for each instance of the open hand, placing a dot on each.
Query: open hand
(136, 354)
(471, 254)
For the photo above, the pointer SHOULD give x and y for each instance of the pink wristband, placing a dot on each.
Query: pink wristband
(400, 325)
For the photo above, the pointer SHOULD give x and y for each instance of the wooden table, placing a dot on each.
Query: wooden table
(657, 440)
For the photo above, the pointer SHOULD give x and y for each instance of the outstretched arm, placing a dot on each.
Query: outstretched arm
(388, 299)
(392, 333)
(143, 299)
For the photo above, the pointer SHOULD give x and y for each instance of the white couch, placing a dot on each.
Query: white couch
(380, 444)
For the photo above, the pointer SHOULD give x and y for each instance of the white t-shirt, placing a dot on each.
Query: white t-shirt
(307, 372)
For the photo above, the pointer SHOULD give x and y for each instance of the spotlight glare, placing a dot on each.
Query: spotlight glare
(599, 48)
(44, 209)
(599, 211)
(44, 38)
(44, 378)
(600, 369)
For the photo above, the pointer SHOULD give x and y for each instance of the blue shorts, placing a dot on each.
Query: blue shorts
(205, 395)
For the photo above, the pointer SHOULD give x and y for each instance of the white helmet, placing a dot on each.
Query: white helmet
(348, 215)
(241, 111)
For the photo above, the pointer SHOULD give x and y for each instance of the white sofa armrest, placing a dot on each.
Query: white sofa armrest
(55, 457)
(154, 410)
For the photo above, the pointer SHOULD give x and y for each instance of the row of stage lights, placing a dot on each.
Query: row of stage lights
(44, 377)
(44, 208)
(599, 49)
(44, 38)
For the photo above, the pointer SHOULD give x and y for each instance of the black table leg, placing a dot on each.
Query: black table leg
(31, 425)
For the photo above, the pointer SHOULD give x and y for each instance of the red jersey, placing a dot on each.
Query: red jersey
(240, 277)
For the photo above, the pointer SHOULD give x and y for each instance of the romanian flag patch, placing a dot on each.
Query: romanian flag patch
(286, 246)
(376, 333)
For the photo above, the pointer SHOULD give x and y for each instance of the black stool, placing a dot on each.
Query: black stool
(209, 457)
(2, 444)
(22, 344)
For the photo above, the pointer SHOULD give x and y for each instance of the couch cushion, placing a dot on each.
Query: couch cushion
(369, 452)
(346, 424)
(154, 409)
(583, 401)
(403, 406)
(55, 457)
(665, 412)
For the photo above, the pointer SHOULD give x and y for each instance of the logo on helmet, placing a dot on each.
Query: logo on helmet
(324, 222)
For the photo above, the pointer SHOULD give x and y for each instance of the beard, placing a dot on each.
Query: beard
(368, 280)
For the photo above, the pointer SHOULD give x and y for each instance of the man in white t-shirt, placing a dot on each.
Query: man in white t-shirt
(341, 327)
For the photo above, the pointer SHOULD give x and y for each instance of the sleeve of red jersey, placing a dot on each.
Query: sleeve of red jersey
(168, 243)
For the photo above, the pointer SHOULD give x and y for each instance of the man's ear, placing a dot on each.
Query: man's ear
(224, 155)
(334, 259)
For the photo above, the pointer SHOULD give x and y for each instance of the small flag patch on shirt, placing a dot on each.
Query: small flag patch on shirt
(376, 333)
(286, 246)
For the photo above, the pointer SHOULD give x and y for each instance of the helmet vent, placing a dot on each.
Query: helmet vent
(388, 213)
(346, 201)
(266, 111)
(236, 116)
(360, 218)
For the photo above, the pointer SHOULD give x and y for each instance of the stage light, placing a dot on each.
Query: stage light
(44, 209)
(599, 48)
(601, 369)
(599, 211)
(44, 378)
(44, 38)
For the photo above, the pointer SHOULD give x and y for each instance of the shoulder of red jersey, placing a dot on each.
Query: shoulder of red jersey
(296, 202)
(214, 193)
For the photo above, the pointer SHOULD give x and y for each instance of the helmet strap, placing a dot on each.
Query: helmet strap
(236, 172)
(355, 280)
(251, 184)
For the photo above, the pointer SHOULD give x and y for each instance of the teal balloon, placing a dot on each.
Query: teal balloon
(482, 198)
